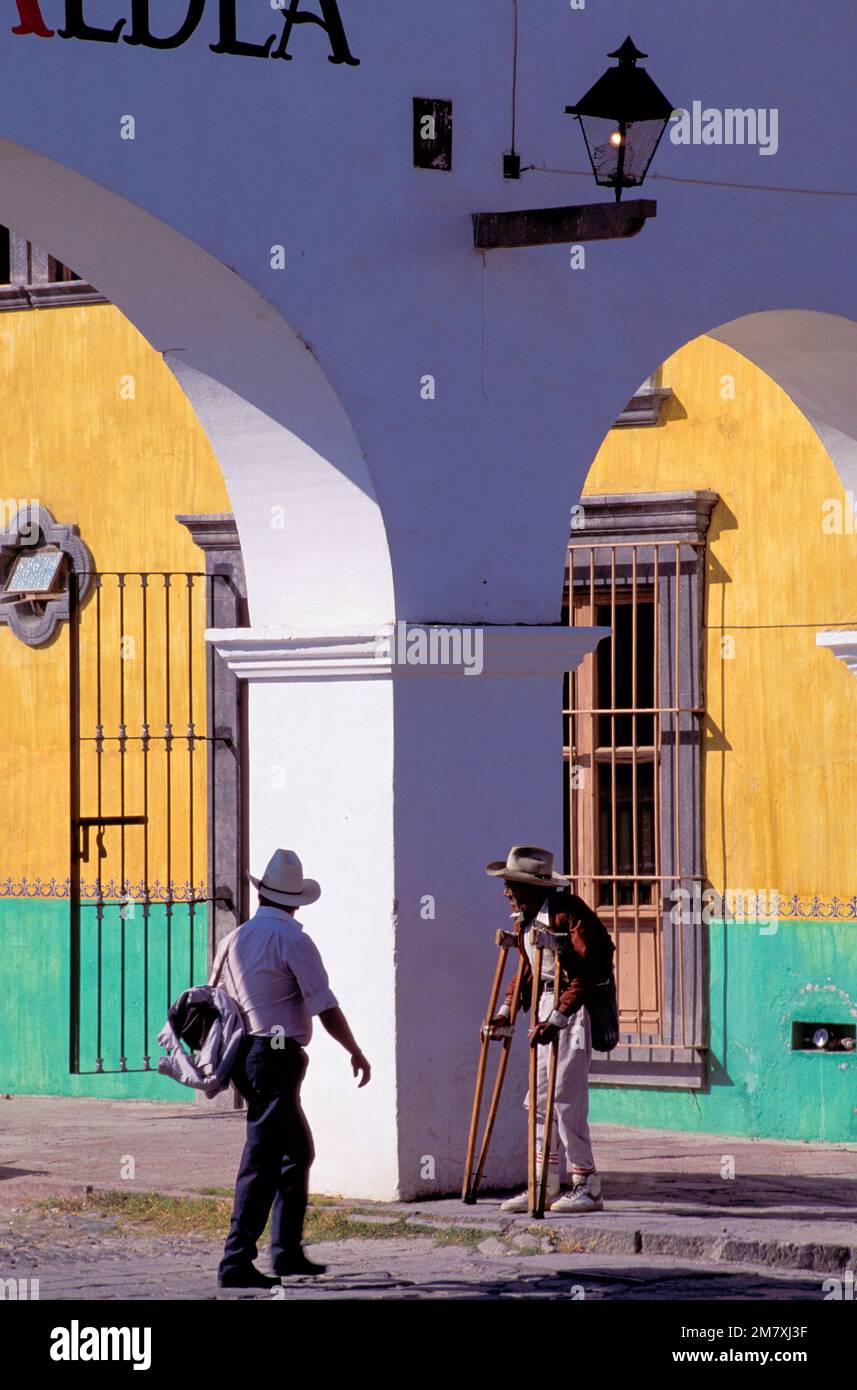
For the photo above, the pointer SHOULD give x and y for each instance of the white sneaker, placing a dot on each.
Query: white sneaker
(585, 1195)
(522, 1202)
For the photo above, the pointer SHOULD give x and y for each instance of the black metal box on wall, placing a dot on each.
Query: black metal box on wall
(432, 134)
(823, 1037)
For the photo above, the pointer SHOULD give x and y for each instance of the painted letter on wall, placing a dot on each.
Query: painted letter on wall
(330, 20)
(31, 20)
(142, 34)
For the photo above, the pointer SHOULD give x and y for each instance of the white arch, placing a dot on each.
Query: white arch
(813, 358)
(810, 355)
(311, 530)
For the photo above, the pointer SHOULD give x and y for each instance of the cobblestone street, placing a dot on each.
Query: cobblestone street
(672, 1227)
(82, 1258)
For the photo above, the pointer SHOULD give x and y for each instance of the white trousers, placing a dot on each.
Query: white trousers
(570, 1120)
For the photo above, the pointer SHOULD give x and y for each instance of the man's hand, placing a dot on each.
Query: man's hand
(498, 1021)
(359, 1064)
(543, 1033)
(335, 1022)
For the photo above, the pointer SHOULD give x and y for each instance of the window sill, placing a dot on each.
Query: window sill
(632, 1065)
(61, 294)
(645, 408)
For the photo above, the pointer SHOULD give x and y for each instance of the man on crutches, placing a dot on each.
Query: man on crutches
(542, 899)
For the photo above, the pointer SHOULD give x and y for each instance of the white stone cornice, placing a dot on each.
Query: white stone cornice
(404, 650)
(842, 644)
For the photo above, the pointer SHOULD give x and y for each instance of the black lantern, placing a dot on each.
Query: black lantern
(623, 118)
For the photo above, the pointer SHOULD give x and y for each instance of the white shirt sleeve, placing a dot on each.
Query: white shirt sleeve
(304, 960)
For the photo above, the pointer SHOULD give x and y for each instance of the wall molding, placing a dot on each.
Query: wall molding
(110, 891)
(843, 645)
(644, 516)
(797, 907)
(811, 907)
(644, 408)
(212, 531)
(277, 654)
(62, 295)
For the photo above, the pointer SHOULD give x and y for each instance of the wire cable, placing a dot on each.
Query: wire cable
(514, 72)
(710, 183)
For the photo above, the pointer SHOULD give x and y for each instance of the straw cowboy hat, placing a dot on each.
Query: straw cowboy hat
(283, 881)
(527, 864)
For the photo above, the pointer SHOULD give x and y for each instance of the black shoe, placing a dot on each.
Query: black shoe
(299, 1264)
(249, 1278)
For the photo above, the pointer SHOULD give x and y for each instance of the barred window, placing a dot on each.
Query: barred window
(633, 734)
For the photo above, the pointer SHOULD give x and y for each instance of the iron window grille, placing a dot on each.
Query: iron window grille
(633, 721)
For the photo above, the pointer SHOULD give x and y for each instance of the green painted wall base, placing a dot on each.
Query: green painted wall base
(761, 981)
(34, 997)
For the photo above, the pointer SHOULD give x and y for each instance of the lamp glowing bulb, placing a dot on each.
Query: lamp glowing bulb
(616, 138)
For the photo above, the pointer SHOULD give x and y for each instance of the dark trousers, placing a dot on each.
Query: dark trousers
(278, 1151)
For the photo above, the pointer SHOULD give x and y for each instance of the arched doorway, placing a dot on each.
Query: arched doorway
(708, 762)
(297, 502)
(121, 739)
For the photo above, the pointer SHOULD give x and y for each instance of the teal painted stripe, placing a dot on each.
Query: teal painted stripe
(761, 981)
(34, 980)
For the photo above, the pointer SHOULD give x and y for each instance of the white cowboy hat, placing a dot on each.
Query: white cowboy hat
(527, 864)
(283, 881)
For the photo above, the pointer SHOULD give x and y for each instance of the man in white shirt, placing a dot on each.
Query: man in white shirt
(275, 974)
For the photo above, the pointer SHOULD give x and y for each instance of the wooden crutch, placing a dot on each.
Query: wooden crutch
(538, 1177)
(532, 1137)
(506, 941)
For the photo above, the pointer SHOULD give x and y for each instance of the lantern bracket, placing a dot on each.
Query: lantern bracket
(552, 226)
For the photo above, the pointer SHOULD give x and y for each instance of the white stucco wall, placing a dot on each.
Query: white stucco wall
(532, 359)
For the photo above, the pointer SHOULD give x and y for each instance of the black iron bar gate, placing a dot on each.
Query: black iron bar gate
(146, 745)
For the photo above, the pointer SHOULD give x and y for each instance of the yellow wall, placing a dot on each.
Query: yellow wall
(120, 468)
(780, 758)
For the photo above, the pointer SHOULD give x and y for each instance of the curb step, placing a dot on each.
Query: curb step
(715, 1249)
(813, 1256)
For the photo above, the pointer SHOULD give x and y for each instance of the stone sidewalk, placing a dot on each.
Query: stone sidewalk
(790, 1207)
